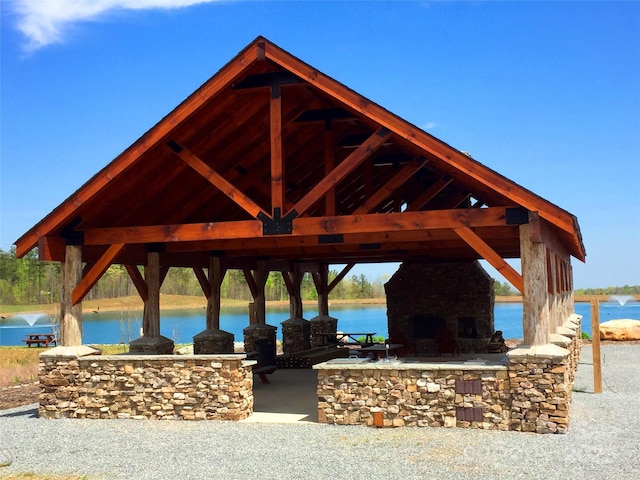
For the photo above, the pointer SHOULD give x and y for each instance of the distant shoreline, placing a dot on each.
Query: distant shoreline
(168, 302)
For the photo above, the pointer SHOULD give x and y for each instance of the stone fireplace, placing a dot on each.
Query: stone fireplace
(424, 298)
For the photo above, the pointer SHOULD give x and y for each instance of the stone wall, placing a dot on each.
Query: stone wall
(167, 387)
(529, 392)
(474, 398)
(458, 294)
(540, 391)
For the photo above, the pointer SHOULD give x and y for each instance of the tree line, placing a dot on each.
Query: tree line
(27, 280)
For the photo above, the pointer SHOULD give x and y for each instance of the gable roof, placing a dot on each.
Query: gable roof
(270, 158)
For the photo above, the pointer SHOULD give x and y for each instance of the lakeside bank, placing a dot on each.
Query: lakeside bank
(172, 302)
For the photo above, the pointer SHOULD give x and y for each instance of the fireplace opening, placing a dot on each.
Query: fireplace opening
(467, 327)
(426, 326)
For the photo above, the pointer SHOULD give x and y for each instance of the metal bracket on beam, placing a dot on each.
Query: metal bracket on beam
(277, 225)
(516, 216)
(331, 238)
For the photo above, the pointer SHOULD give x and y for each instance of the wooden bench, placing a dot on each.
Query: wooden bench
(40, 339)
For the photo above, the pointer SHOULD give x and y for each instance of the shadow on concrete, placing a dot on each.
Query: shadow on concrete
(290, 397)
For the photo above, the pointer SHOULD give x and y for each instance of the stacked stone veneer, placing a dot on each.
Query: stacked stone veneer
(529, 391)
(167, 387)
(296, 335)
(411, 397)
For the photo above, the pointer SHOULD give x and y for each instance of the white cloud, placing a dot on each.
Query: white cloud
(45, 21)
(429, 126)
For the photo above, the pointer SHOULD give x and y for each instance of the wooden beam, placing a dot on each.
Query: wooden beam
(391, 186)
(251, 283)
(340, 276)
(277, 158)
(175, 233)
(138, 281)
(429, 194)
(51, 249)
(302, 227)
(94, 274)
(342, 170)
(496, 261)
(329, 164)
(217, 180)
(203, 281)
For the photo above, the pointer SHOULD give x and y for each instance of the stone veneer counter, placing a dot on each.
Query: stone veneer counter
(487, 393)
(78, 384)
(497, 363)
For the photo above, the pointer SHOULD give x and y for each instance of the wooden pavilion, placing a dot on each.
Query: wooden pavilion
(273, 166)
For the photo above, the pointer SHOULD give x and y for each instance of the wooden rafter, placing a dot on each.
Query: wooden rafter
(392, 185)
(217, 180)
(429, 194)
(496, 261)
(347, 166)
(91, 277)
(329, 163)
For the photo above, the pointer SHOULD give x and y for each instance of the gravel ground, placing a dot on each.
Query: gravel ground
(603, 442)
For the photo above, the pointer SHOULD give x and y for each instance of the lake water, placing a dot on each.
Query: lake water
(182, 325)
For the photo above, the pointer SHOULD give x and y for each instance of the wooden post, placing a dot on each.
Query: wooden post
(322, 286)
(252, 313)
(293, 286)
(216, 275)
(151, 313)
(535, 298)
(260, 276)
(71, 315)
(595, 345)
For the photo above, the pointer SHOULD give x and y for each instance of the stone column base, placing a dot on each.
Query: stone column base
(253, 333)
(296, 335)
(213, 341)
(152, 345)
(322, 324)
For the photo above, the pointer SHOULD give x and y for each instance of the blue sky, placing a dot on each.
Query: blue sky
(546, 93)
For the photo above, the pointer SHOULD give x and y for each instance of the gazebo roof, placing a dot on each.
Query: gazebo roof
(272, 160)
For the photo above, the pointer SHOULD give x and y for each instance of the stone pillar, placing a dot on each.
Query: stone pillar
(535, 297)
(540, 388)
(253, 333)
(296, 335)
(213, 340)
(71, 315)
(151, 340)
(322, 324)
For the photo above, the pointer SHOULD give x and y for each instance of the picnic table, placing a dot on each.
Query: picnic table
(349, 338)
(381, 350)
(40, 339)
